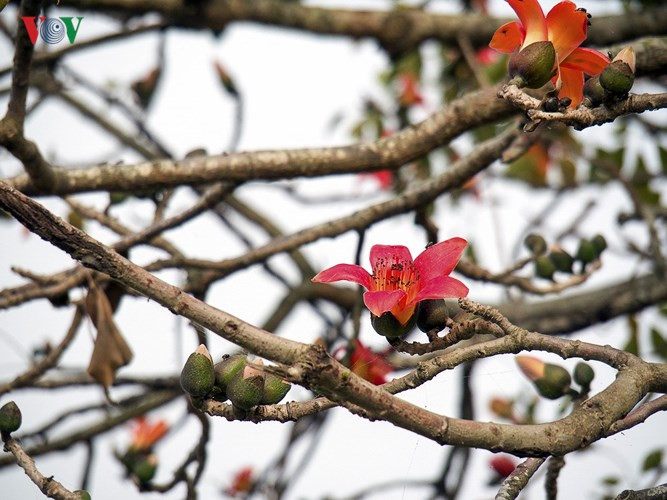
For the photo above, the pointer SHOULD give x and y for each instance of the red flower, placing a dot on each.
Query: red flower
(145, 434)
(241, 483)
(398, 283)
(565, 27)
(409, 92)
(503, 465)
(384, 178)
(369, 365)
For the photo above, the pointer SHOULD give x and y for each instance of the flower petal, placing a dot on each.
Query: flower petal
(442, 288)
(382, 301)
(532, 19)
(344, 272)
(589, 61)
(573, 85)
(389, 253)
(508, 38)
(439, 260)
(567, 28)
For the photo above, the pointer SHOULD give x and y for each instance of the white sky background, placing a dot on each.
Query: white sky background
(293, 84)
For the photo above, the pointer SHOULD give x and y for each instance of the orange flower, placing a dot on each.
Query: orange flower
(565, 27)
(241, 483)
(146, 434)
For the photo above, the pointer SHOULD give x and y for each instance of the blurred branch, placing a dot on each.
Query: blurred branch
(47, 485)
(517, 480)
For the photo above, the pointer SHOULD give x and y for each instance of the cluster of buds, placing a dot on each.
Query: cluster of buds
(559, 260)
(245, 385)
(553, 381)
(614, 82)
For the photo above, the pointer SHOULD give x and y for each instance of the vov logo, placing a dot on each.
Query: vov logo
(51, 29)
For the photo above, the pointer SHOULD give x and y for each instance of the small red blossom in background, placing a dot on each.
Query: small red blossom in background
(146, 434)
(487, 55)
(399, 283)
(242, 483)
(503, 465)
(369, 365)
(409, 92)
(383, 178)
(565, 27)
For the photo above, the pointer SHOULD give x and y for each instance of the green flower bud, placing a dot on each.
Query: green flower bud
(599, 243)
(583, 374)
(225, 371)
(562, 260)
(144, 470)
(246, 388)
(197, 376)
(586, 252)
(390, 327)
(432, 314)
(554, 383)
(10, 417)
(536, 244)
(83, 494)
(619, 76)
(594, 93)
(275, 389)
(534, 64)
(545, 268)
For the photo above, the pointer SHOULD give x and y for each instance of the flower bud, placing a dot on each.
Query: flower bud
(503, 465)
(225, 371)
(197, 376)
(583, 374)
(144, 469)
(562, 260)
(504, 408)
(390, 327)
(246, 388)
(275, 389)
(594, 93)
(536, 244)
(83, 494)
(619, 76)
(534, 64)
(586, 252)
(545, 268)
(551, 381)
(432, 314)
(10, 417)
(599, 243)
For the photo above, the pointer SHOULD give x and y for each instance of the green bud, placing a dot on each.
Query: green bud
(432, 314)
(83, 494)
(545, 268)
(562, 260)
(534, 64)
(536, 244)
(594, 93)
(599, 243)
(225, 371)
(145, 469)
(586, 252)
(617, 78)
(554, 383)
(10, 417)
(390, 327)
(275, 389)
(197, 376)
(246, 388)
(583, 374)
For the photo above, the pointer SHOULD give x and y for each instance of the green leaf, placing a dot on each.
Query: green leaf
(611, 480)
(659, 343)
(652, 461)
(632, 345)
